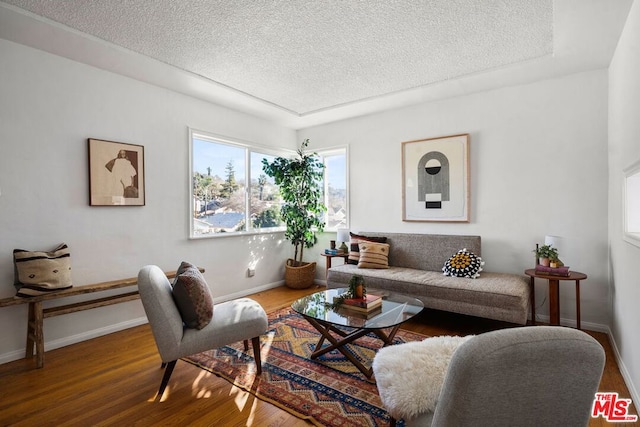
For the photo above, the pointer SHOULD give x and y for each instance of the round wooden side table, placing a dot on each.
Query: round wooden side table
(554, 293)
(328, 258)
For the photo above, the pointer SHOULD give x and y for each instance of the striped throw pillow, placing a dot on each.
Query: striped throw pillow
(354, 249)
(373, 255)
(40, 272)
(354, 252)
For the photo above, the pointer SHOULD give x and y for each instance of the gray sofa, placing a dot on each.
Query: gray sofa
(415, 268)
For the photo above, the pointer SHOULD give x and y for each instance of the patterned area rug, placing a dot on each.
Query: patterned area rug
(327, 391)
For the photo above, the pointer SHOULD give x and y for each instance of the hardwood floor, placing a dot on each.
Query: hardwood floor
(112, 380)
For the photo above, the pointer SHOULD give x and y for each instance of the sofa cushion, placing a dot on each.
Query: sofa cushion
(354, 249)
(192, 297)
(373, 255)
(463, 264)
(500, 296)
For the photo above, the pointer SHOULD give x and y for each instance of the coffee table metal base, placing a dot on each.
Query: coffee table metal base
(326, 329)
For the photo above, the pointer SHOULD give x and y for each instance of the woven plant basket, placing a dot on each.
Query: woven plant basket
(301, 276)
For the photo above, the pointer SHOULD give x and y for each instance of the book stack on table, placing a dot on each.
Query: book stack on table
(363, 305)
(334, 252)
(553, 271)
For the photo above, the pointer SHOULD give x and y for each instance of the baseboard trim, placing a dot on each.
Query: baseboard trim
(94, 333)
(589, 326)
(246, 292)
(624, 371)
(74, 339)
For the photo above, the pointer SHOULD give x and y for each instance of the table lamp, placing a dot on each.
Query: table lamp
(343, 236)
(556, 242)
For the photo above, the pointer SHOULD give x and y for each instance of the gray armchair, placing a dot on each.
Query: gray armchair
(238, 320)
(527, 376)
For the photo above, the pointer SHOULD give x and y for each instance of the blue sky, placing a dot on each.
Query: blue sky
(217, 156)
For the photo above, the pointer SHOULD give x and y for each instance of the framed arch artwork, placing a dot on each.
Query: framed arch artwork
(435, 179)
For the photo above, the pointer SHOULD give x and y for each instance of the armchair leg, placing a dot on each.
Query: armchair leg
(165, 378)
(255, 343)
(246, 345)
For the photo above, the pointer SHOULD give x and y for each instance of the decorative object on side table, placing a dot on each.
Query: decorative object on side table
(556, 242)
(335, 252)
(544, 255)
(548, 260)
(299, 180)
(553, 271)
(343, 236)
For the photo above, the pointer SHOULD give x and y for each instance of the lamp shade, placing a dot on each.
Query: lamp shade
(343, 235)
(555, 242)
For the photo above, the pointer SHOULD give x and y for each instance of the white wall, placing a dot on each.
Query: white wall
(49, 106)
(624, 150)
(538, 166)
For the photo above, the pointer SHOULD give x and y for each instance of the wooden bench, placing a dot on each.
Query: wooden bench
(37, 313)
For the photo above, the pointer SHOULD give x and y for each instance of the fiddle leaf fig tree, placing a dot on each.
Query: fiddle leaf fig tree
(300, 182)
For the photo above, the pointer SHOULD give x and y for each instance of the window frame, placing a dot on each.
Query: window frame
(631, 209)
(323, 154)
(248, 148)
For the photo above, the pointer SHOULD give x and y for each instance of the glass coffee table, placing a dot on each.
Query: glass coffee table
(341, 326)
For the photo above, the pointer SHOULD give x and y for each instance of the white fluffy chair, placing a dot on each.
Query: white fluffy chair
(528, 376)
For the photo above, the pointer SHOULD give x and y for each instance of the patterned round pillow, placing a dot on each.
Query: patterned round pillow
(463, 264)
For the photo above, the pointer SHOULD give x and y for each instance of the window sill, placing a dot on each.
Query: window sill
(237, 234)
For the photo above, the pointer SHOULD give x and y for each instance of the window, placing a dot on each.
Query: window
(632, 204)
(227, 182)
(265, 201)
(335, 188)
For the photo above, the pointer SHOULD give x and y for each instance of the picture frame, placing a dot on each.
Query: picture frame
(435, 179)
(116, 173)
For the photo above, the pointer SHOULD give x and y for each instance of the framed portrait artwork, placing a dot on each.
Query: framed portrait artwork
(435, 179)
(116, 174)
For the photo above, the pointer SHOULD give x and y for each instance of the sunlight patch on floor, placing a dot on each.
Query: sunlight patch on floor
(266, 345)
(199, 388)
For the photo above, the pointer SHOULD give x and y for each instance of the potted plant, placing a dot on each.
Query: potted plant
(357, 289)
(546, 254)
(300, 182)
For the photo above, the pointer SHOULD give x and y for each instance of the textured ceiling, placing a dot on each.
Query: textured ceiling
(306, 56)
